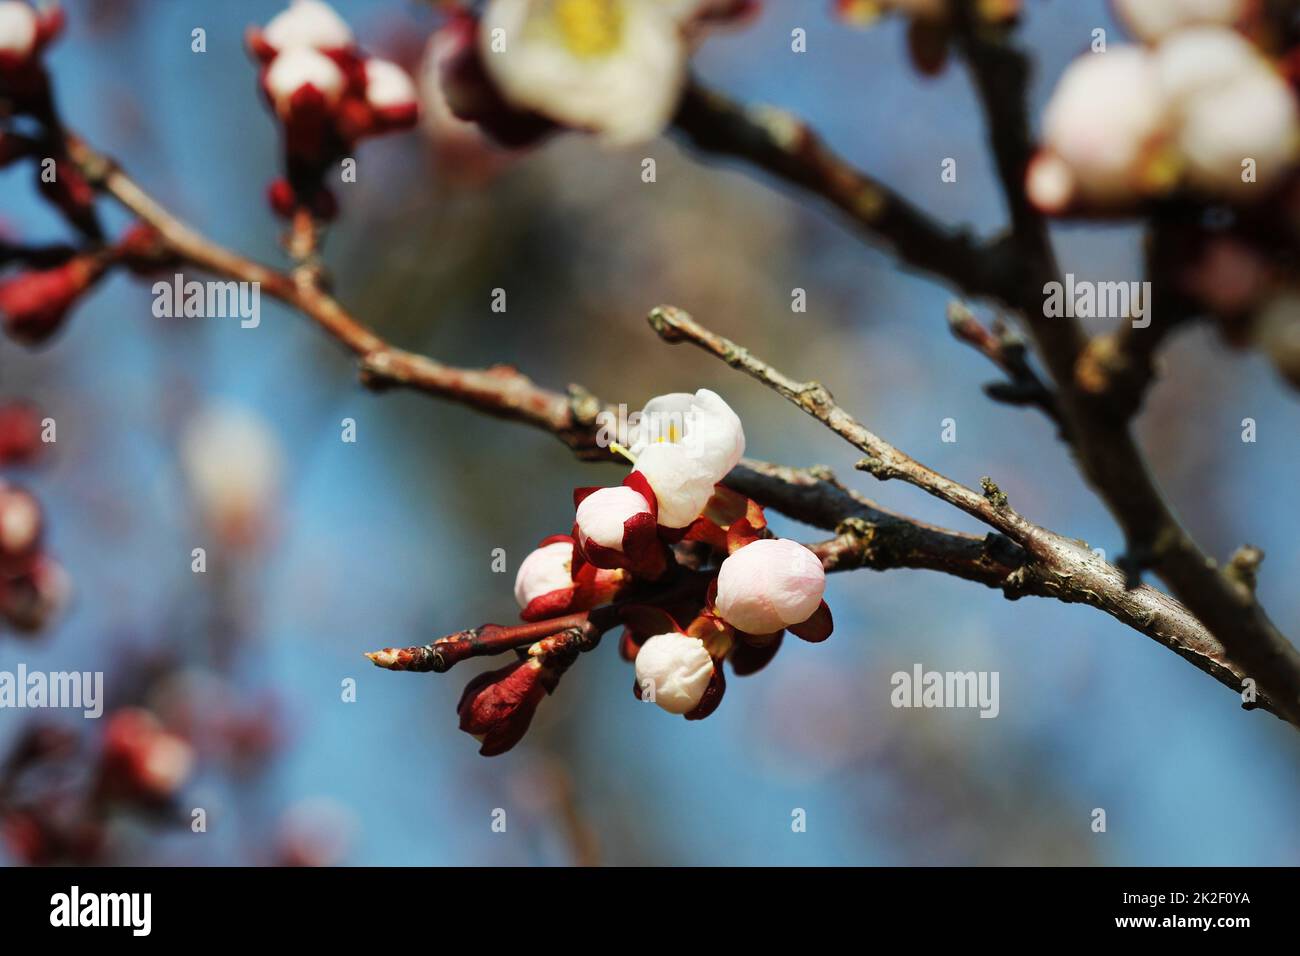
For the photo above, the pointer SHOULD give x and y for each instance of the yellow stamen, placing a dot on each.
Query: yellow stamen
(589, 28)
(618, 449)
(673, 436)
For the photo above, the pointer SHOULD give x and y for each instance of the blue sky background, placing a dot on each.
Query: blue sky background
(389, 541)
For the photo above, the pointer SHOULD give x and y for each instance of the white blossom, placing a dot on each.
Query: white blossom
(615, 67)
(681, 479)
(702, 422)
(684, 445)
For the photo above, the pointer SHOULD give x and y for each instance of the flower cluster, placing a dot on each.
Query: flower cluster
(25, 32)
(25, 90)
(142, 760)
(33, 586)
(35, 301)
(1199, 106)
(327, 95)
(686, 567)
(615, 68)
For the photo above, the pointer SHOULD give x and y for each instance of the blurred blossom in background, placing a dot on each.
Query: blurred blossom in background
(182, 433)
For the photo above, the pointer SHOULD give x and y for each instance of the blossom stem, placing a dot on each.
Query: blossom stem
(485, 640)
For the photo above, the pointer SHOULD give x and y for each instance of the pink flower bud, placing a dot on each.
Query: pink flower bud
(547, 569)
(676, 669)
(303, 83)
(1106, 120)
(618, 527)
(1254, 116)
(141, 759)
(307, 23)
(498, 706)
(769, 585)
(603, 515)
(20, 528)
(390, 94)
(546, 584)
(35, 303)
(19, 31)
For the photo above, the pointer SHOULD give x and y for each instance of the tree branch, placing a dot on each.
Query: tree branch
(1061, 567)
(783, 145)
(867, 536)
(1099, 428)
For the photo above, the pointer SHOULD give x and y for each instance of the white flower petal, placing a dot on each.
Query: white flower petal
(1251, 118)
(676, 668)
(1105, 119)
(18, 28)
(293, 69)
(702, 422)
(308, 23)
(1151, 20)
(388, 85)
(546, 569)
(601, 515)
(1201, 59)
(616, 67)
(681, 480)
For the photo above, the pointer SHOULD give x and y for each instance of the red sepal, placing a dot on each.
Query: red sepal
(748, 658)
(637, 482)
(818, 627)
(646, 621)
(555, 603)
(712, 695)
(262, 51)
(498, 706)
